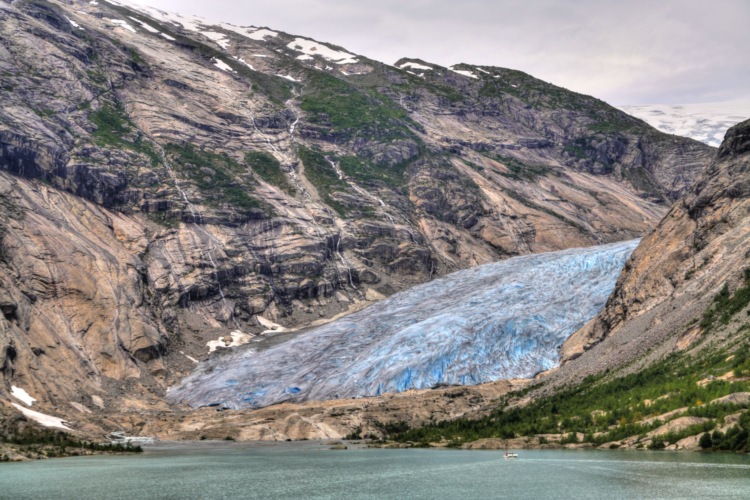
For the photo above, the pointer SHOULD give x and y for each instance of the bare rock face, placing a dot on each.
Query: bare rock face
(353, 418)
(166, 183)
(699, 248)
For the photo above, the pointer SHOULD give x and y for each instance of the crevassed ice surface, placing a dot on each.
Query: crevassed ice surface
(500, 320)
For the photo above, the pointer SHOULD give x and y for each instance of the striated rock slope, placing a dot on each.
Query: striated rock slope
(169, 182)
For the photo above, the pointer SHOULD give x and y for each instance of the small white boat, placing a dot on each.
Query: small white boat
(510, 456)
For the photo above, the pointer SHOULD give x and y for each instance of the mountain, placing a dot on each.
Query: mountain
(668, 358)
(169, 184)
(705, 122)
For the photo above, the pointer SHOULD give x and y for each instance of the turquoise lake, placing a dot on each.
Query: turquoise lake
(312, 470)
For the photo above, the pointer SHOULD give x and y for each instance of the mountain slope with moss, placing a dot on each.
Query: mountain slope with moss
(195, 184)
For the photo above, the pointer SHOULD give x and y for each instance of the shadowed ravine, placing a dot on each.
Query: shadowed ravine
(501, 320)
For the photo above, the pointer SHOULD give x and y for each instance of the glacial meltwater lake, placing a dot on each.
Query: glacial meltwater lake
(312, 470)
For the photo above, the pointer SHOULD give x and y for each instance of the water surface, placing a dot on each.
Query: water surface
(312, 470)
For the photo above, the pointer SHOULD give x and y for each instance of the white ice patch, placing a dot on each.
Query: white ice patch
(123, 24)
(245, 63)
(313, 48)
(190, 23)
(220, 38)
(22, 395)
(74, 24)
(94, 2)
(145, 26)
(705, 122)
(261, 34)
(414, 65)
(269, 325)
(223, 66)
(465, 73)
(190, 357)
(483, 71)
(238, 338)
(41, 418)
(305, 57)
(168, 37)
(288, 77)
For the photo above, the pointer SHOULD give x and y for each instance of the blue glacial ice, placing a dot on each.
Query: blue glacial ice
(500, 320)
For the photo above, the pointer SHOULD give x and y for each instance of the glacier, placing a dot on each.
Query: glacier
(705, 122)
(501, 320)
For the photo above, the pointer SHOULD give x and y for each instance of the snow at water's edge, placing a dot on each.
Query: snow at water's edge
(42, 419)
(500, 320)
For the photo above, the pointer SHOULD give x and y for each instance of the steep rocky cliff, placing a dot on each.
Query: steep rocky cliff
(169, 182)
(697, 257)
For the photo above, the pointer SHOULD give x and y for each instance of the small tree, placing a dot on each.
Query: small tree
(706, 441)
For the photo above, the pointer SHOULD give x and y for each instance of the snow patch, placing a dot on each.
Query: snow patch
(414, 65)
(238, 338)
(168, 37)
(41, 418)
(465, 73)
(190, 358)
(145, 26)
(220, 38)
(74, 24)
(223, 66)
(261, 34)
(190, 23)
(244, 62)
(313, 48)
(305, 57)
(288, 77)
(22, 395)
(483, 71)
(123, 24)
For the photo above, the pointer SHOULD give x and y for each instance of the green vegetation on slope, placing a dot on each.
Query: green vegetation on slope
(268, 168)
(725, 306)
(361, 169)
(323, 176)
(349, 110)
(33, 442)
(113, 125)
(216, 175)
(607, 409)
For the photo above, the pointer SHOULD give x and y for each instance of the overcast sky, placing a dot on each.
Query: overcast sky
(625, 52)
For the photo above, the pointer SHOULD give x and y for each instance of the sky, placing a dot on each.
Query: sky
(624, 52)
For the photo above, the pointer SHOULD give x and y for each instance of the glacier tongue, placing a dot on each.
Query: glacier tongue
(500, 320)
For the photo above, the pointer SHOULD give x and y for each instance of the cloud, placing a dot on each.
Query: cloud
(626, 52)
